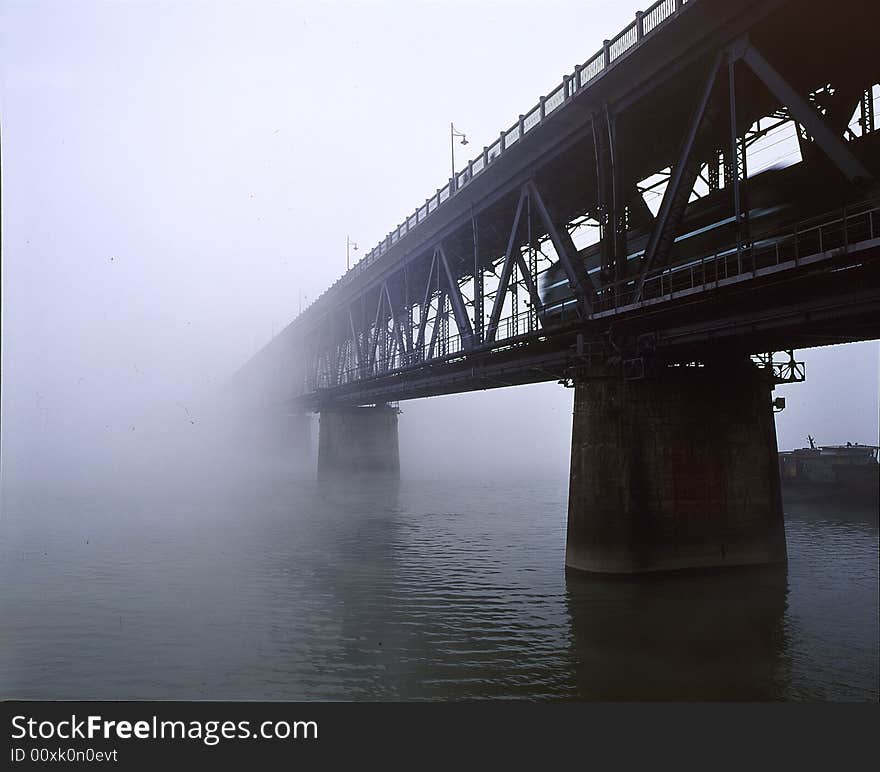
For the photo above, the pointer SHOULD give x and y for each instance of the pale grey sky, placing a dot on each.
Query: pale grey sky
(177, 175)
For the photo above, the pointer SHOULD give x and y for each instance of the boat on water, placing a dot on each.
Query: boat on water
(852, 468)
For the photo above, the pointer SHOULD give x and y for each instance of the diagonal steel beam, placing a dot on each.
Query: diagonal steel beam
(462, 320)
(435, 331)
(640, 213)
(567, 253)
(530, 286)
(506, 270)
(389, 356)
(737, 166)
(395, 323)
(375, 337)
(681, 183)
(358, 354)
(407, 320)
(805, 114)
(423, 309)
(333, 357)
(339, 361)
(341, 358)
(479, 298)
(604, 190)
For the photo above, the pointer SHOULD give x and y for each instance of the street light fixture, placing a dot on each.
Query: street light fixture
(453, 133)
(349, 244)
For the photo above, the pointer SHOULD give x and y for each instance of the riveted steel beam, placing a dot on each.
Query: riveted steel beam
(805, 114)
(507, 268)
(681, 183)
(462, 321)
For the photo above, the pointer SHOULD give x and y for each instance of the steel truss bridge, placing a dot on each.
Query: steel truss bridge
(705, 183)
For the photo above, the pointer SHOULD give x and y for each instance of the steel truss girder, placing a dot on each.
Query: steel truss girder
(435, 330)
(805, 114)
(681, 182)
(640, 214)
(376, 330)
(605, 198)
(866, 106)
(513, 256)
(686, 169)
(529, 280)
(359, 357)
(395, 323)
(578, 280)
(787, 370)
(737, 171)
(462, 321)
(478, 286)
(423, 308)
(364, 342)
(407, 320)
(506, 270)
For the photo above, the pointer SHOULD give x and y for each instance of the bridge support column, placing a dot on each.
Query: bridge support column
(674, 471)
(356, 441)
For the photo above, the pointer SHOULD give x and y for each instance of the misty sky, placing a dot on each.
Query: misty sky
(177, 177)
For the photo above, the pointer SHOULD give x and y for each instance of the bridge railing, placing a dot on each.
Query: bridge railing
(446, 347)
(645, 24)
(807, 240)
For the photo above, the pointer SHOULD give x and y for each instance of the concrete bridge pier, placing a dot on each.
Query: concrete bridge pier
(673, 471)
(358, 441)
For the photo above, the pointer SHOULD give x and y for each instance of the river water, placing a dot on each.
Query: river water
(263, 584)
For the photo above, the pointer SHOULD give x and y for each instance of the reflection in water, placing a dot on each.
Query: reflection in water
(709, 636)
(360, 528)
(249, 583)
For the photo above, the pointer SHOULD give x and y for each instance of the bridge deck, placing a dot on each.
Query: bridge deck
(484, 285)
(834, 264)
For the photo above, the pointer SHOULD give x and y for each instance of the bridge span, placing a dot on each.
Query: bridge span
(633, 235)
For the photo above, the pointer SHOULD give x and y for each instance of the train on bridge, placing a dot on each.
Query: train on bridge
(784, 199)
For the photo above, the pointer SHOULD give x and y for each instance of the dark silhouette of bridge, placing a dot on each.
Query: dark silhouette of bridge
(627, 236)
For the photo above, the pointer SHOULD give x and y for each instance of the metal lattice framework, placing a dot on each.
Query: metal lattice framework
(548, 237)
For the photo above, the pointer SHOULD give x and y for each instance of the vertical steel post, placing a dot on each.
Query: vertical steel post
(867, 111)
(618, 205)
(734, 161)
(713, 175)
(479, 308)
(409, 316)
(514, 295)
(532, 266)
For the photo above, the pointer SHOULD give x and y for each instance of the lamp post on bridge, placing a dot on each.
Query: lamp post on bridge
(349, 244)
(453, 133)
